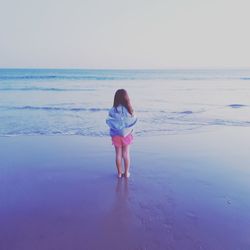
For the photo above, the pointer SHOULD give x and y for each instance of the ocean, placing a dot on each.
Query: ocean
(76, 101)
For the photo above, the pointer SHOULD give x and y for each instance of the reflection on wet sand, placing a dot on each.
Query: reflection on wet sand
(117, 223)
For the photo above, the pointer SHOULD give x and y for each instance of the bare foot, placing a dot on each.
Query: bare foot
(127, 175)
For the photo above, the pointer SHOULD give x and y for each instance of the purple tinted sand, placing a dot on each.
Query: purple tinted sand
(185, 192)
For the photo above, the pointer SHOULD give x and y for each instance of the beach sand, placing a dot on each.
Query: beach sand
(185, 192)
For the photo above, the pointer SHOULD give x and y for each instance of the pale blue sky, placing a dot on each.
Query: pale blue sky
(124, 34)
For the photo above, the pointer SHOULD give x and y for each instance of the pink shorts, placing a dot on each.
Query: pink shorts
(119, 141)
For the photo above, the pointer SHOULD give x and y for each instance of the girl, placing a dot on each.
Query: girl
(121, 121)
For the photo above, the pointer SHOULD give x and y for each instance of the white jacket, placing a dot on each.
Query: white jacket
(120, 121)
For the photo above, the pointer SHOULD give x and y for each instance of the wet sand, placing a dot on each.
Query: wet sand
(185, 192)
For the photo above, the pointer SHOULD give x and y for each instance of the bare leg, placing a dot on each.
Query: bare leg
(118, 160)
(126, 158)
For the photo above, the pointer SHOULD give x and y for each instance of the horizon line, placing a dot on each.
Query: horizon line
(129, 69)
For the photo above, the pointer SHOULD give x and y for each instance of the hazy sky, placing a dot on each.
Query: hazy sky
(124, 33)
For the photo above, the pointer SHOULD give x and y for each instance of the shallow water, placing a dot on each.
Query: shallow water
(75, 102)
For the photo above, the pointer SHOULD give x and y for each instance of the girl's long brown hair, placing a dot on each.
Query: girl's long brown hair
(122, 98)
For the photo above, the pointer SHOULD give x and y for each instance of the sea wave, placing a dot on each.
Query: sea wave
(55, 133)
(118, 78)
(111, 75)
(93, 124)
(45, 89)
(58, 77)
(169, 128)
(236, 105)
(71, 107)
(48, 108)
(161, 107)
